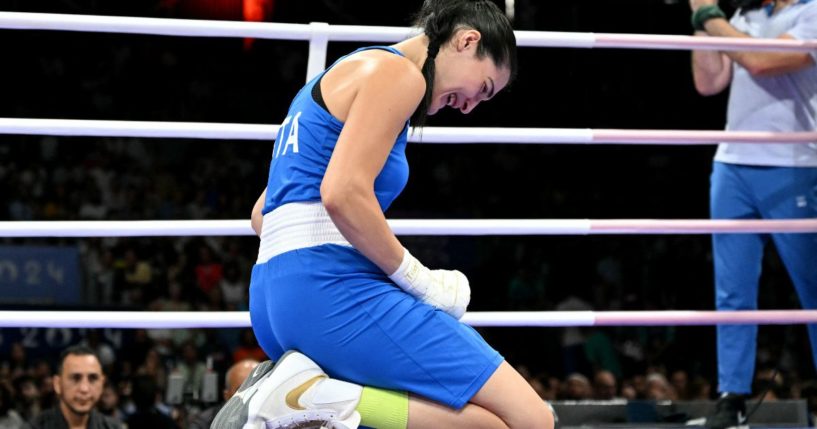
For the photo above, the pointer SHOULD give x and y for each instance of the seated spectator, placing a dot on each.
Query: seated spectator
(248, 348)
(680, 382)
(109, 403)
(137, 275)
(659, 389)
(27, 394)
(78, 386)
(145, 397)
(154, 366)
(17, 363)
(104, 351)
(600, 352)
(809, 393)
(605, 386)
(9, 418)
(577, 387)
(208, 271)
(770, 385)
(191, 369)
(628, 391)
(639, 386)
(700, 389)
(233, 287)
(546, 386)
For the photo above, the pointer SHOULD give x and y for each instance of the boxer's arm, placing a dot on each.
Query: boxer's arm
(256, 218)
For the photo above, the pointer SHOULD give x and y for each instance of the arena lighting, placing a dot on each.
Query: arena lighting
(256, 11)
(231, 10)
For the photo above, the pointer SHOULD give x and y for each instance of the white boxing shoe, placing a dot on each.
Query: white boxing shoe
(296, 393)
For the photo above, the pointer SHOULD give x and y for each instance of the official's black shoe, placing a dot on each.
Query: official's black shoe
(730, 412)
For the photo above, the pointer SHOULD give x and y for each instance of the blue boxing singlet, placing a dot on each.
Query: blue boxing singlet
(312, 291)
(304, 146)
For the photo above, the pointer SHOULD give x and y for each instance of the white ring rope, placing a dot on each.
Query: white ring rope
(204, 130)
(241, 319)
(439, 227)
(93, 128)
(267, 30)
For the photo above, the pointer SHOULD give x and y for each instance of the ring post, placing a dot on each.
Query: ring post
(318, 44)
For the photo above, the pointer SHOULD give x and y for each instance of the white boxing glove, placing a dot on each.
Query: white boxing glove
(447, 290)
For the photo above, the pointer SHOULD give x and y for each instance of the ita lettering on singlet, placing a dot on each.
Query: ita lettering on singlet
(289, 137)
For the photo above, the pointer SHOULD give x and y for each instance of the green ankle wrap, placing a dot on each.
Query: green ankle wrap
(383, 409)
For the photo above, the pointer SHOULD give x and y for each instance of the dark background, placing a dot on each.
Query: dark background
(151, 78)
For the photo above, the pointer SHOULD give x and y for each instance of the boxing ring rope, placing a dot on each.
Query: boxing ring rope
(204, 130)
(319, 34)
(438, 227)
(353, 33)
(241, 319)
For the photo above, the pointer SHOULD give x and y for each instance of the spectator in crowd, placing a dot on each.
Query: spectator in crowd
(700, 389)
(658, 388)
(233, 287)
(145, 397)
(680, 382)
(809, 393)
(248, 348)
(232, 381)
(526, 291)
(109, 404)
(605, 386)
(78, 385)
(770, 385)
(173, 301)
(153, 366)
(577, 387)
(135, 351)
(100, 272)
(9, 418)
(600, 352)
(103, 350)
(628, 391)
(191, 369)
(137, 276)
(638, 384)
(208, 270)
(28, 396)
(17, 363)
(574, 356)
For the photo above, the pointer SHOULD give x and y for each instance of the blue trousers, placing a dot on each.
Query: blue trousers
(755, 192)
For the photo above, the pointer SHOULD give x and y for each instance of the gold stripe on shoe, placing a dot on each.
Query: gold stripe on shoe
(295, 394)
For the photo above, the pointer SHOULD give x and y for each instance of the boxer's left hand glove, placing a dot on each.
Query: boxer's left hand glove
(447, 290)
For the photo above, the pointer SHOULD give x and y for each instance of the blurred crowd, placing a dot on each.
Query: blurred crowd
(171, 377)
(140, 378)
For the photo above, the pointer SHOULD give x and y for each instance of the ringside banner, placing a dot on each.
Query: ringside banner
(39, 275)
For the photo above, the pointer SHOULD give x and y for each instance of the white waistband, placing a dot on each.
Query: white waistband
(297, 226)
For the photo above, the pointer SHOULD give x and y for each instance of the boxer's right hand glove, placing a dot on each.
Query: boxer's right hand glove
(447, 290)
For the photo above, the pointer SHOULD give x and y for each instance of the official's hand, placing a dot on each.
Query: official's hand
(696, 4)
(447, 290)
